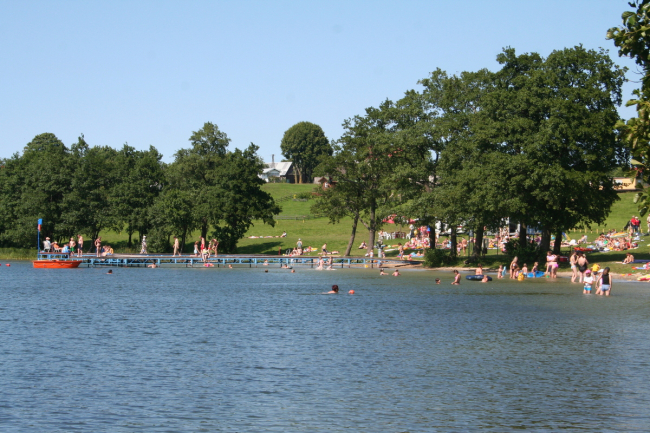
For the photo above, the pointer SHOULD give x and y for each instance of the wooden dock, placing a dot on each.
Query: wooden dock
(223, 260)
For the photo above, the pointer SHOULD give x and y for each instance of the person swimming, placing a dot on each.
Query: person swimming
(437, 280)
(335, 290)
(396, 273)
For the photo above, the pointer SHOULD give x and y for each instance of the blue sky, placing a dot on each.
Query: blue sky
(151, 72)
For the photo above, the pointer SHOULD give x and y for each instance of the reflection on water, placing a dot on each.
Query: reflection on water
(243, 350)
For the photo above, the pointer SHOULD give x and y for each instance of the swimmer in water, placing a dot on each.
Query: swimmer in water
(485, 279)
(381, 272)
(293, 271)
(229, 266)
(153, 265)
(396, 273)
(437, 280)
(335, 290)
(456, 278)
(110, 272)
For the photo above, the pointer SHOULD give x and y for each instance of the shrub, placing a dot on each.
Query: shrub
(529, 254)
(158, 241)
(306, 195)
(435, 258)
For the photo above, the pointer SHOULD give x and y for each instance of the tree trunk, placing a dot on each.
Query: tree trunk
(204, 228)
(523, 243)
(183, 236)
(454, 243)
(372, 226)
(355, 221)
(545, 244)
(558, 242)
(478, 243)
(432, 236)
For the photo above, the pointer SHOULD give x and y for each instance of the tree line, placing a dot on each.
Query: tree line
(534, 142)
(84, 189)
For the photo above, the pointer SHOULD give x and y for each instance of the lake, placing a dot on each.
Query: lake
(205, 350)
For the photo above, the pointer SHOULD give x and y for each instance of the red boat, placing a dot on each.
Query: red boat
(56, 264)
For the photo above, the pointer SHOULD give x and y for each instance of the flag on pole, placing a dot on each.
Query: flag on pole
(40, 222)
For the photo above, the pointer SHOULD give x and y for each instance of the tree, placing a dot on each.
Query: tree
(87, 205)
(304, 144)
(555, 117)
(140, 180)
(633, 40)
(210, 187)
(371, 166)
(32, 186)
(239, 199)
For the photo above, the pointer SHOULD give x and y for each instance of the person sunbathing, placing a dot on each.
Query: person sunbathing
(629, 258)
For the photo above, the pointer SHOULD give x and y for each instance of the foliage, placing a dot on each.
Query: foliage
(304, 144)
(633, 40)
(528, 253)
(88, 190)
(306, 195)
(435, 258)
(32, 186)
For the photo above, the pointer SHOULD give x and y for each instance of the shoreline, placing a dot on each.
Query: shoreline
(563, 274)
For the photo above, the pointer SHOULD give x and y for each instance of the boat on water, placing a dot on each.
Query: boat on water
(56, 264)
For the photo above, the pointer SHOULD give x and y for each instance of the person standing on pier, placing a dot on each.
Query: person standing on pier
(98, 246)
(80, 245)
(143, 250)
(215, 245)
(176, 247)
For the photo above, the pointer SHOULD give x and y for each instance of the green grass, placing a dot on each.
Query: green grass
(17, 253)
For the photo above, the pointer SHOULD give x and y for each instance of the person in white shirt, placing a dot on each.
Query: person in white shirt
(589, 281)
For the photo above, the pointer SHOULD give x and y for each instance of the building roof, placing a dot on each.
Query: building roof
(282, 167)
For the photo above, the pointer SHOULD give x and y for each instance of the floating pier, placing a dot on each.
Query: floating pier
(167, 260)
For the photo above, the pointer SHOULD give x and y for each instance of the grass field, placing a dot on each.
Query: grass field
(317, 231)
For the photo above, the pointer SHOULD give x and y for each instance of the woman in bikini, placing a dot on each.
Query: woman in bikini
(513, 266)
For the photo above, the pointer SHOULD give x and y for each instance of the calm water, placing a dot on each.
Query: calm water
(189, 350)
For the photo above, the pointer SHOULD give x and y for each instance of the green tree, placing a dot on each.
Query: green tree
(87, 205)
(370, 167)
(140, 180)
(633, 40)
(555, 118)
(32, 186)
(304, 144)
(239, 198)
(212, 187)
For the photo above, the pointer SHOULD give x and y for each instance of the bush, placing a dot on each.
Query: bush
(306, 195)
(158, 241)
(435, 258)
(529, 254)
